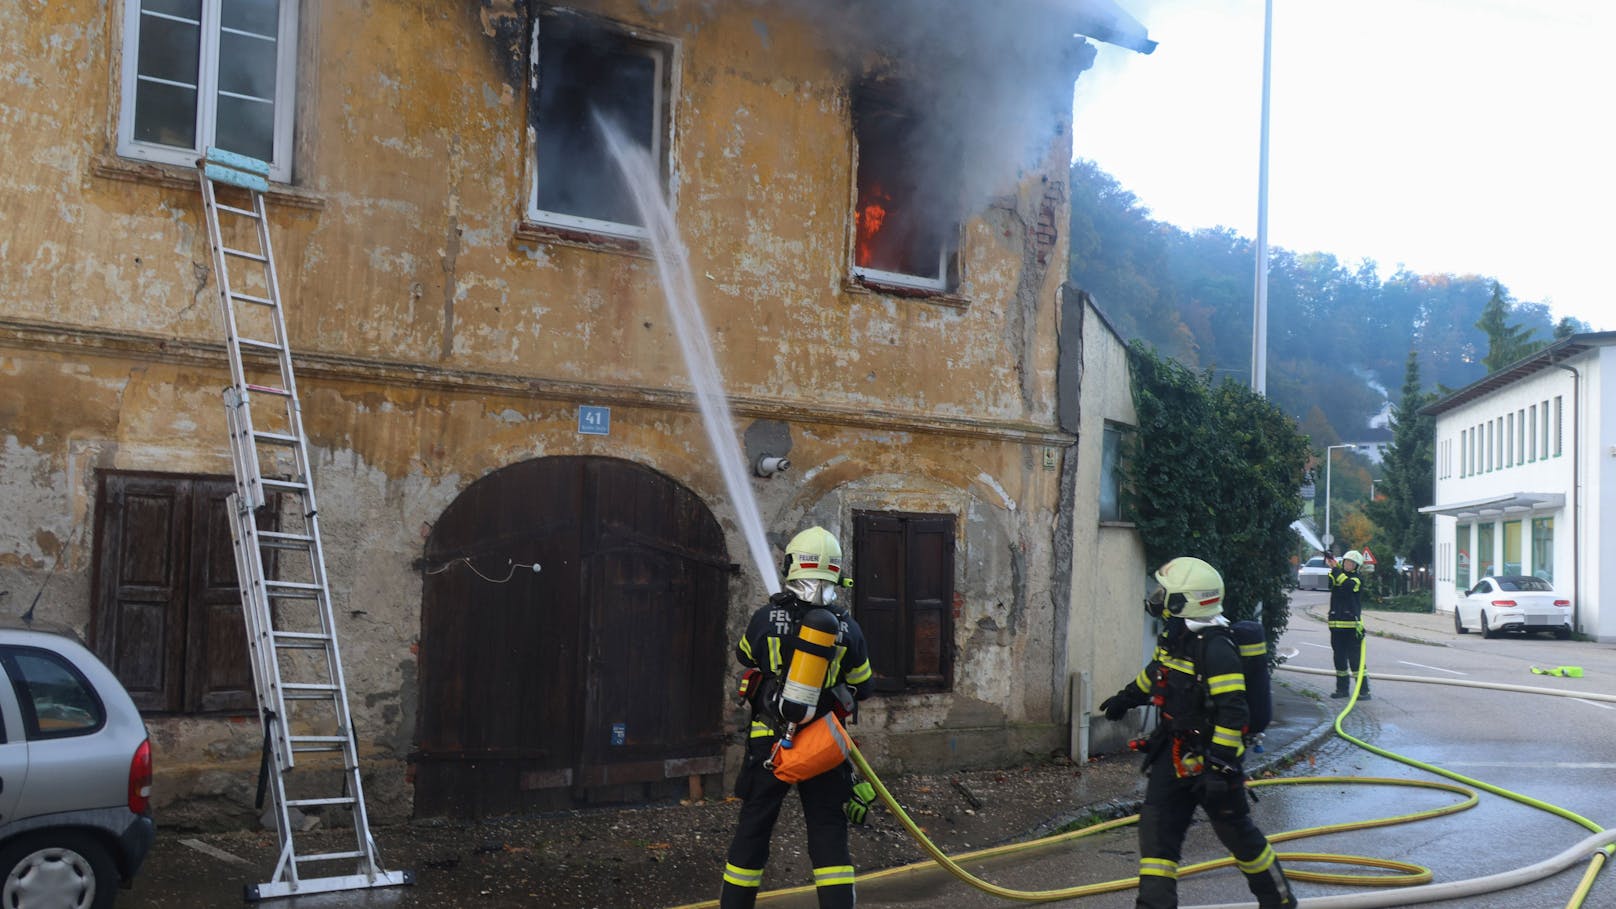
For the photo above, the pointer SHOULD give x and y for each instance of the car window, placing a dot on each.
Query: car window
(56, 700)
(1527, 584)
(1315, 562)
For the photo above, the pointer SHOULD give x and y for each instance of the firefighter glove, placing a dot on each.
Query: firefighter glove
(1115, 707)
(858, 806)
(748, 684)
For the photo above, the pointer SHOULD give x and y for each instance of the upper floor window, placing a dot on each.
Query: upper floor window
(1111, 474)
(906, 232)
(200, 73)
(585, 69)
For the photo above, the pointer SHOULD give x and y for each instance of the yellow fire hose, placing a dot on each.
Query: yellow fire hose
(1406, 874)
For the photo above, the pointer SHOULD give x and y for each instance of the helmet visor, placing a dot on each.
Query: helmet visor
(1156, 599)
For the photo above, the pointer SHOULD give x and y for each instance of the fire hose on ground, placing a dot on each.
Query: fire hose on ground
(1412, 880)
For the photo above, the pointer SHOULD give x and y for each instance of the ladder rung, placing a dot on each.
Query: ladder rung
(269, 390)
(245, 213)
(325, 687)
(262, 345)
(304, 803)
(304, 640)
(249, 298)
(292, 585)
(243, 254)
(272, 540)
(292, 485)
(326, 857)
(307, 743)
(280, 437)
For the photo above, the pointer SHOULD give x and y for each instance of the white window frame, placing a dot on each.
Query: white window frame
(280, 168)
(661, 52)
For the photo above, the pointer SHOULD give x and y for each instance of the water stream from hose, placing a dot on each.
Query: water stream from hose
(679, 290)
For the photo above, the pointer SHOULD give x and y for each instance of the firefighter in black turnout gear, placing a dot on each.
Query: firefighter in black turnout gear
(1346, 623)
(772, 685)
(1195, 756)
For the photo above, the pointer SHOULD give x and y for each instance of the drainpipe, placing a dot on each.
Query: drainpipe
(1576, 486)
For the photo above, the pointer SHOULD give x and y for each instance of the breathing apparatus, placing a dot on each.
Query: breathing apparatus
(813, 569)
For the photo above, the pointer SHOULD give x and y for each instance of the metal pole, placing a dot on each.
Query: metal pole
(1329, 541)
(1259, 321)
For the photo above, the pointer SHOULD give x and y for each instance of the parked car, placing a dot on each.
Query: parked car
(1313, 574)
(75, 776)
(1512, 602)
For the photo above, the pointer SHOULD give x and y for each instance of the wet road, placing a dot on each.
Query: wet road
(1554, 749)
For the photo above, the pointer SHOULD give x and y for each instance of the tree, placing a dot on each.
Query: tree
(1409, 473)
(1213, 473)
(1506, 343)
(1569, 326)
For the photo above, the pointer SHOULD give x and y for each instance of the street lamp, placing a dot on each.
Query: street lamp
(1327, 539)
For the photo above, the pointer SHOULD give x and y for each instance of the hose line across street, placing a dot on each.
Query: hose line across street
(1412, 882)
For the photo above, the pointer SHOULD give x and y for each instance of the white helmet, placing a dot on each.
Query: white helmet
(1355, 557)
(1187, 588)
(814, 553)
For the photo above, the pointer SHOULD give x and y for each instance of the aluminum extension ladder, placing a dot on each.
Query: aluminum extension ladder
(297, 668)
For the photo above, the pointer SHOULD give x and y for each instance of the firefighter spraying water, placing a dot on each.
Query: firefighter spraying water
(806, 667)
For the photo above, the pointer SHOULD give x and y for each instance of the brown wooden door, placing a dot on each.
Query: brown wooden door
(167, 614)
(903, 597)
(597, 678)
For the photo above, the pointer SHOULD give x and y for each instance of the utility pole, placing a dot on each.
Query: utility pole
(1259, 320)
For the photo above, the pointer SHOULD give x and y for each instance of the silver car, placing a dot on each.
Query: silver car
(75, 776)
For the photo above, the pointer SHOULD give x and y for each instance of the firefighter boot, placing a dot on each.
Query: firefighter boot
(1269, 885)
(1363, 692)
(1343, 686)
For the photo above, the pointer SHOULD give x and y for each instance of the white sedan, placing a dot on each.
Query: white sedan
(1313, 574)
(1512, 603)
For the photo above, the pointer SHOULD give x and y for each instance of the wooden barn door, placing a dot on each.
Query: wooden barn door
(597, 678)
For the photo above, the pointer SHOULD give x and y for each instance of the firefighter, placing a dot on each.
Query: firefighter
(1195, 755)
(1346, 623)
(812, 575)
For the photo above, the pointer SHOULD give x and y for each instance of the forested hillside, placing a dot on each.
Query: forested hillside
(1339, 334)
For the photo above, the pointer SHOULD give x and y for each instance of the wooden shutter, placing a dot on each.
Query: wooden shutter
(218, 673)
(930, 593)
(878, 590)
(140, 585)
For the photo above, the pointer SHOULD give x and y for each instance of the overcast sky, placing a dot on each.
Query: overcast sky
(1462, 136)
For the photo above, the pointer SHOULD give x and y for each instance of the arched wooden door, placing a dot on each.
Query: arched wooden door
(597, 678)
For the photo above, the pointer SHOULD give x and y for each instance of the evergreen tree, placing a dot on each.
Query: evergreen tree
(1506, 343)
(1409, 474)
(1569, 326)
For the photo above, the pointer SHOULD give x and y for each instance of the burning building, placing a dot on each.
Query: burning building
(872, 199)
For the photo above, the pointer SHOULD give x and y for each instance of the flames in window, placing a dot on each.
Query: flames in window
(869, 217)
(903, 217)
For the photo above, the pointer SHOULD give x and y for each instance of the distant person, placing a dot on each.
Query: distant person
(1196, 755)
(1346, 622)
(813, 570)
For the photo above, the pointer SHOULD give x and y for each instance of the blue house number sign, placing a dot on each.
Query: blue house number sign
(594, 421)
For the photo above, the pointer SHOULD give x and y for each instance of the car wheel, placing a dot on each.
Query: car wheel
(1563, 632)
(1486, 632)
(1458, 625)
(57, 868)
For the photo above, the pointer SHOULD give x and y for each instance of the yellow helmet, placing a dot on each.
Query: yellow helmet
(1353, 556)
(814, 553)
(1188, 588)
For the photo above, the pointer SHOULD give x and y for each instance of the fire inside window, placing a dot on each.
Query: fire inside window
(905, 223)
(585, 69)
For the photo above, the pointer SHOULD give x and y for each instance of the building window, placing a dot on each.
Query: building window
(1520, 436)
(1484, 550)
(200, 73)
(1544, 448)
(166, 612)
(1543, 548)
(1513, 532)
(1531, 445)
(584, 68)
(903, 597)
(1559, 425)
(1111, 475)
(1490, 443)
(905, 226)
(1461, 561)
(1509, 440)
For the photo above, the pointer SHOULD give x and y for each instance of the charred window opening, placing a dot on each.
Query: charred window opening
(582, 68)
(904, 221)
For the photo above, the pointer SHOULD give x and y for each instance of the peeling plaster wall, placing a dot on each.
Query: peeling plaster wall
(438, 339)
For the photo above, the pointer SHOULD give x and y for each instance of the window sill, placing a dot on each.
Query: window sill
(1121, 525)
(542, 232)
(129, 170)
(861, 285)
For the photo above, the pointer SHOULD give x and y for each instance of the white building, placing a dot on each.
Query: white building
(1524, 461)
